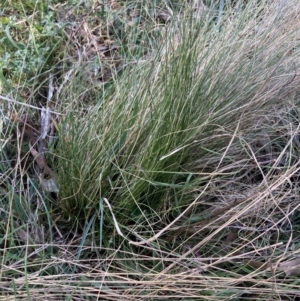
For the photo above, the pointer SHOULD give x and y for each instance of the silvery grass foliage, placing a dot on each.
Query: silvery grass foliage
(182, 178)
(133, 146)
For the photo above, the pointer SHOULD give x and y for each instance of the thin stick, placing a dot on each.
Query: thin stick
(25, 104)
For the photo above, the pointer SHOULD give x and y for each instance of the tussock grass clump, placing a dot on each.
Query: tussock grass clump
(163, 115)
(180, 179)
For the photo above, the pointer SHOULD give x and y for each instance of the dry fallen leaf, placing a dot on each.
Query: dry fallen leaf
(290, 268)
(47, 184)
